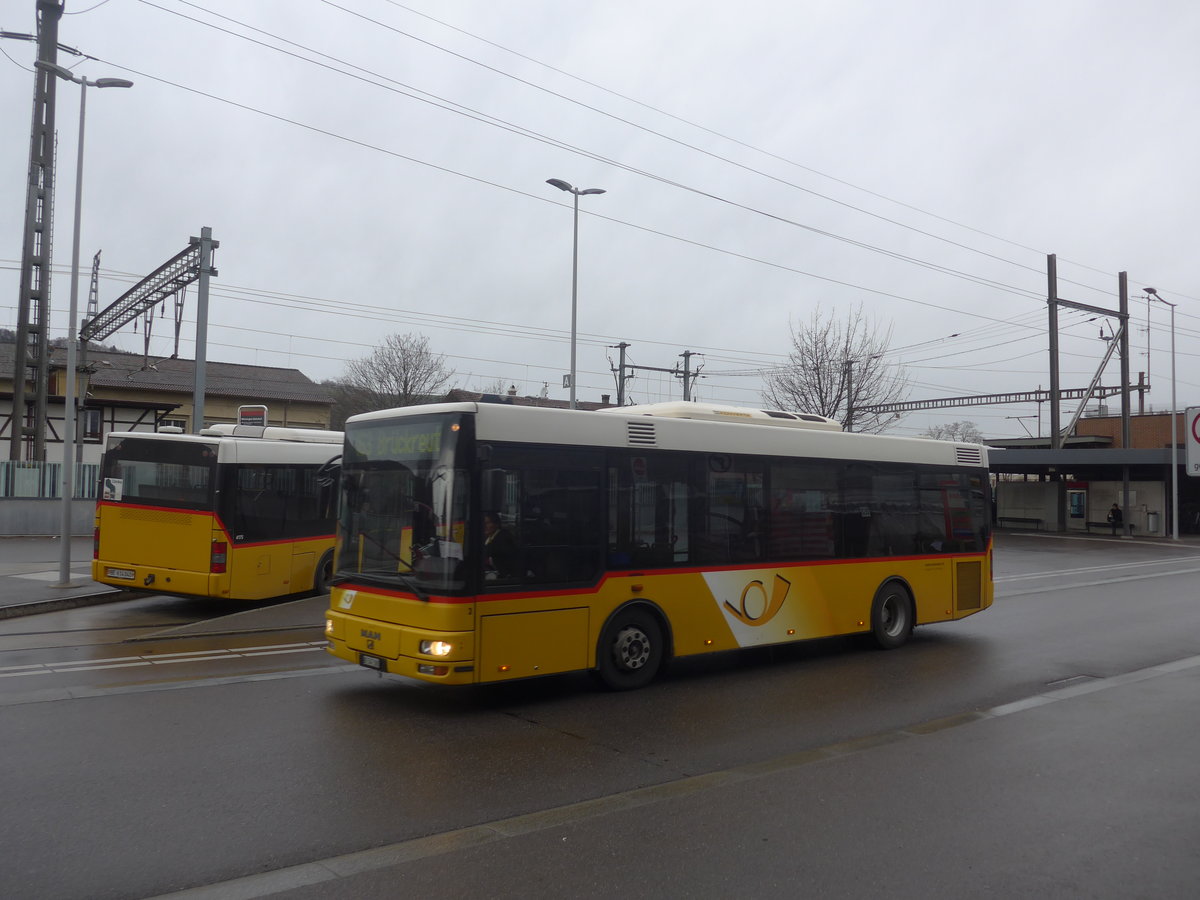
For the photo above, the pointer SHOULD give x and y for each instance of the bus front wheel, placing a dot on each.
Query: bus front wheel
(323, 574)
(631, 650)
(891, 616)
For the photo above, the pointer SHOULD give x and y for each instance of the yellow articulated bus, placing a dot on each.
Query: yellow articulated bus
(237, 512)
(487, 542)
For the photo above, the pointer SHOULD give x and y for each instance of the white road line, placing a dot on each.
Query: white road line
(1097, 583)
(163, 659)
(1091, 570)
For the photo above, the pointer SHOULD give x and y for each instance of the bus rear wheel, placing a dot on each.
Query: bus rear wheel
(631, 650)
(892, 616)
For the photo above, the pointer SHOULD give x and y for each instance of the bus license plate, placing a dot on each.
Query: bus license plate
(127, 574)
(372, 662)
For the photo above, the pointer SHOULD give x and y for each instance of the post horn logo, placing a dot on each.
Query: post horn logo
(755, 607)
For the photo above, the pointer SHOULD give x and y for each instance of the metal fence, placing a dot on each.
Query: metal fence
(43, 480)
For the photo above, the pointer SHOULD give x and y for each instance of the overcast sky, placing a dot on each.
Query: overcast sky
(383, 171)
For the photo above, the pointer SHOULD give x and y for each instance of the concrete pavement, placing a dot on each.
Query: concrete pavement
(30, 580)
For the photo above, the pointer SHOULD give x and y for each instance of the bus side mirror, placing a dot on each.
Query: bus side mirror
(328, 474)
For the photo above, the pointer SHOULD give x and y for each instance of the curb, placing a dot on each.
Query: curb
(35, 607)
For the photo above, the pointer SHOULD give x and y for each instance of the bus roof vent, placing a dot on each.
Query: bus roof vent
(711, 412)
(641, 434)
(968, 456)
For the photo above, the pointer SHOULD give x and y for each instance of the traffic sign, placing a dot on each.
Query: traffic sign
(1192, 439)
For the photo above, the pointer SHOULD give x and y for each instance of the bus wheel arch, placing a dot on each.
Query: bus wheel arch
(893, 614)
(634, 646)
(323, 573)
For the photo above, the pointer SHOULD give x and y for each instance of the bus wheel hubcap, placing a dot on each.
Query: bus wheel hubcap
(893, 618)
(633, 648)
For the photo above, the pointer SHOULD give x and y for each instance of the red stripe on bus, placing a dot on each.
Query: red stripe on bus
(319, 537)
(650, 573)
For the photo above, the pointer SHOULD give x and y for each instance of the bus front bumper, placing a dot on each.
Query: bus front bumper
(440, 657)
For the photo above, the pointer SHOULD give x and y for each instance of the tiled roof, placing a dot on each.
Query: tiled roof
(118, 370)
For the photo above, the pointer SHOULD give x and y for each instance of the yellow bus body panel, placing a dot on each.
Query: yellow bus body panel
(170, 551)
(523, 635)
(167, 550)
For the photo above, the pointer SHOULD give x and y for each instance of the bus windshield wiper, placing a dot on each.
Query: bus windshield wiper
(386, 577)
(391, 553)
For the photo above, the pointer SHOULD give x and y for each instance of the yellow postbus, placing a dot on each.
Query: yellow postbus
(239, 512)
(486, 542)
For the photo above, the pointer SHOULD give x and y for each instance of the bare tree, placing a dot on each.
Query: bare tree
(496, 386)
(829, 361)
(965, 431)
(402, 371)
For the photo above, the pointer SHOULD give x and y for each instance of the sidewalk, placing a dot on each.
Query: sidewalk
(29, 577)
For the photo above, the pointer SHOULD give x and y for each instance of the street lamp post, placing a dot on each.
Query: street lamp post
(69, 411)
(1153, 294)
(577, 192)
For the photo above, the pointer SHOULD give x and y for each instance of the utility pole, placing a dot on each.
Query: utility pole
(1052, 303)
(1126, 425)
(849, 395)
(687, 376)
(206, 245)
(31, 356)
(620, 373)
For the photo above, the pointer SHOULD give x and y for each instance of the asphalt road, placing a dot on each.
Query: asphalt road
(1044, 746)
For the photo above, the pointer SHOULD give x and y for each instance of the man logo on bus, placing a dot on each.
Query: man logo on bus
(755, 607)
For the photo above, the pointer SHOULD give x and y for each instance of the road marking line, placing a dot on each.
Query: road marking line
(1082, 584)
(1084, 570)
(120, 662)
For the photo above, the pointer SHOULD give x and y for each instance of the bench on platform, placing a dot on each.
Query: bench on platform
(1109, 527)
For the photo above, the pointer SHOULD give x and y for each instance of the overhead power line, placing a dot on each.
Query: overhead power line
(493, 121)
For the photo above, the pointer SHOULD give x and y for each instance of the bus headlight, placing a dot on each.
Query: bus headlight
(436, 648)
(329, 627)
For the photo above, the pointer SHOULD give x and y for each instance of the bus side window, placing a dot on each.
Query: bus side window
(648, 503)
(549, 503)
(803, 509)
(733, 529)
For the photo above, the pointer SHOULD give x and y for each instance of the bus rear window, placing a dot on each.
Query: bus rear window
(177, 474)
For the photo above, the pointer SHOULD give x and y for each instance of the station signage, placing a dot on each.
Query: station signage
(252, 415)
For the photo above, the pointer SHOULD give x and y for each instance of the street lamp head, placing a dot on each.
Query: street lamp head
(1151, 291)
(60, 71)
(571, 189)
(67, 75)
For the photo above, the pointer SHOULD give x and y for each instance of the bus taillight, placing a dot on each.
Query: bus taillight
(220, 554)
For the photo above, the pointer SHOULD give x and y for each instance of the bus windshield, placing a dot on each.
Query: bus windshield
(176, 474)
(404, 503)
